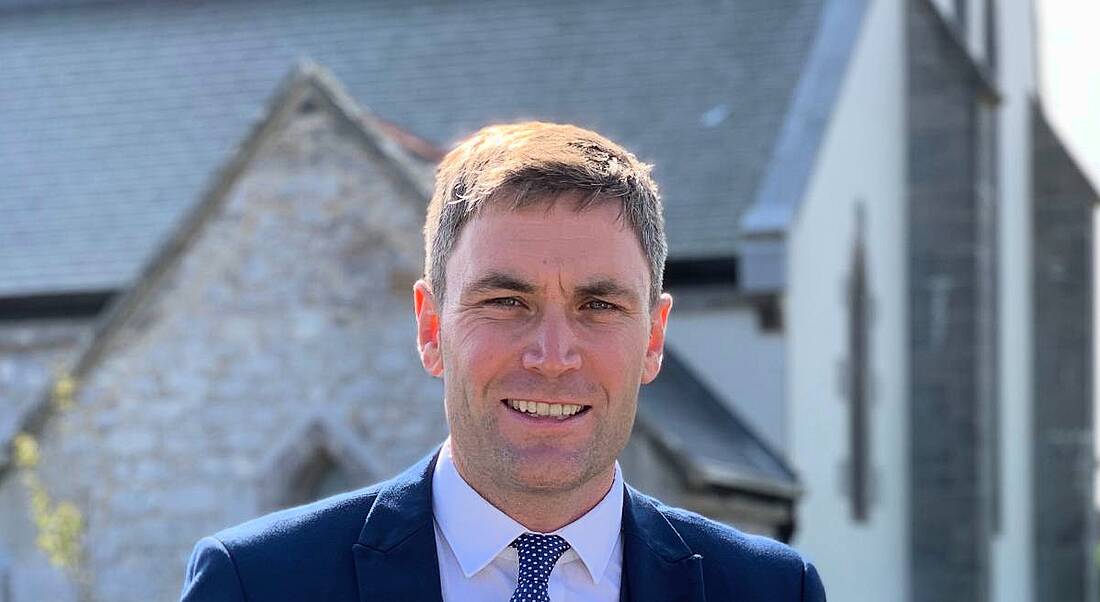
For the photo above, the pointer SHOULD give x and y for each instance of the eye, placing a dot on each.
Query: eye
(504, 302)
(600, 305)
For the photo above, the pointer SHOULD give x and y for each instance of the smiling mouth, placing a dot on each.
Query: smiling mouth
(543, 409)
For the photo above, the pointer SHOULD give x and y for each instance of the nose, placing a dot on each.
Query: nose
(553, 348)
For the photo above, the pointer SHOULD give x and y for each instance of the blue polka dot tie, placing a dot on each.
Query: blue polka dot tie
(537, 555)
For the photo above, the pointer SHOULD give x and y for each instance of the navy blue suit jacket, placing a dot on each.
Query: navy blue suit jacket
(378, 544)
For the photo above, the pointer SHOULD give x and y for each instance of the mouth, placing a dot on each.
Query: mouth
(545, 409)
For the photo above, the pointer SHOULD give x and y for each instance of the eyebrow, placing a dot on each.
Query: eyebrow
(607, 287)
(495, 281)
(600, 287)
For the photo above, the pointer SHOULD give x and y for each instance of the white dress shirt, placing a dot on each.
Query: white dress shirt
(476, 563)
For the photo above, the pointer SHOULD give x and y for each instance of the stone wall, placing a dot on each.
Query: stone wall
(32, 354)
(949, 506)
(289, 308)
(1064, 461)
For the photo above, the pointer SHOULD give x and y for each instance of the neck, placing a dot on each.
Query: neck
(540, 510)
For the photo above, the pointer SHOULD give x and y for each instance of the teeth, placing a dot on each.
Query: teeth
(542, 408)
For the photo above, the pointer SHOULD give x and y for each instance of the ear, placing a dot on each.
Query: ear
(427, 329)
(655, 349)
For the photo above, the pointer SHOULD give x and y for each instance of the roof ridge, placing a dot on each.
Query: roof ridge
(787, 174)
(404, 148)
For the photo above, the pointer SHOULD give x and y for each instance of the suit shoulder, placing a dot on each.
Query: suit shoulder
(332, 520)
(740, 566)
(267, 557)
(713, 539)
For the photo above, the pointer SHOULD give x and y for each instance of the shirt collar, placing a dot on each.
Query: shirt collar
(594, 535)
(478, 532)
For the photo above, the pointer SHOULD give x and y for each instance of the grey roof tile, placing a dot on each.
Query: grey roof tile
(117, 114)
(707, 437)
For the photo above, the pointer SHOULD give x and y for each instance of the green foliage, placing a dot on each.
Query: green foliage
(25, 450)
(63, 391)
(59, 524)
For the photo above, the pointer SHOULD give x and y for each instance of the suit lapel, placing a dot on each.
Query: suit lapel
(395, 557)
(658, 566)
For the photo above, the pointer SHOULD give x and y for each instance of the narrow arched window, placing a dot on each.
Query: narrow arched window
(319, 477)
(859, 477)
(316, 460)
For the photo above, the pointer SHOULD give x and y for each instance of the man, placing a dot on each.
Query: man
(542, 311)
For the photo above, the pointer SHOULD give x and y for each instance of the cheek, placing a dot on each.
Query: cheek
(615, 355)
(476, 350)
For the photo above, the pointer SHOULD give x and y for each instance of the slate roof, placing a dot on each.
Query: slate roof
(116, 114)
(713, 445)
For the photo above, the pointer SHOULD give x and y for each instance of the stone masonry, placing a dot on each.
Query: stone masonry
(949, 504)
(32, 354)
(289, 307)
(1065, 531)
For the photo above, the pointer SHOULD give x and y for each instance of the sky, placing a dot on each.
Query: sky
(1069, 75)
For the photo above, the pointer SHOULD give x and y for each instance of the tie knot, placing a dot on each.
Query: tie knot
(537, 556)
(540, 546)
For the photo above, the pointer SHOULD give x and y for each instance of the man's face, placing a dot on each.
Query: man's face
(546, 311)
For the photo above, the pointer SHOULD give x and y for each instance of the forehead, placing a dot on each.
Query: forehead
(550, 240)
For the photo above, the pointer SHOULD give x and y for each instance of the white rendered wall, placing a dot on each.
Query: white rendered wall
(972, 31)
(1012, 574)
(862, 160)
(738, 361)
(975, 29)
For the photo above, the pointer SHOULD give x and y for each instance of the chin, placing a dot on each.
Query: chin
(533, 475)
(544, 479)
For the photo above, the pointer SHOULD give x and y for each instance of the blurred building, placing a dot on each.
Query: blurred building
(880, 254)
(939, 292)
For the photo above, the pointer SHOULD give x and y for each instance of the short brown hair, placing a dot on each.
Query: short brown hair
(527, 163)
